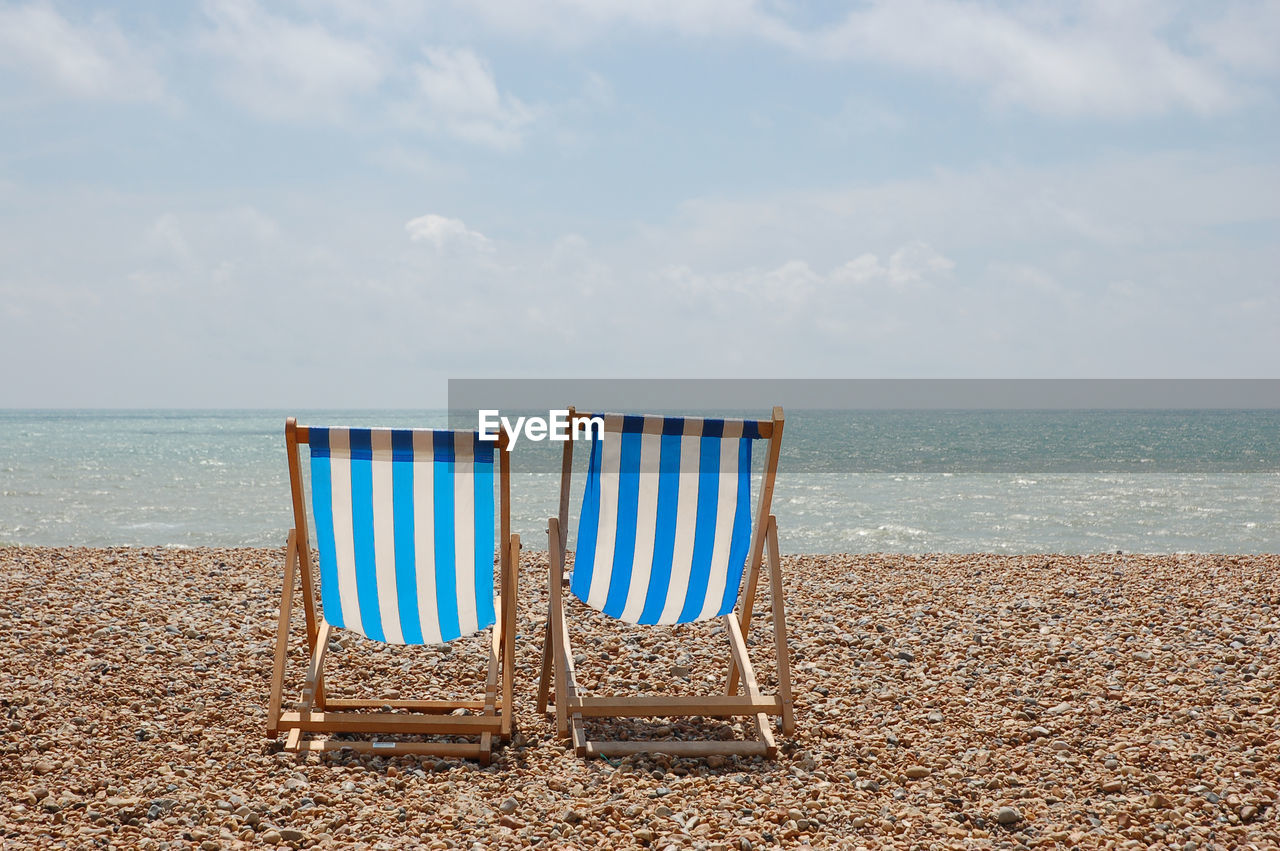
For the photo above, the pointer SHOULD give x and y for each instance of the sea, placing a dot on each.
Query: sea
(910, 481)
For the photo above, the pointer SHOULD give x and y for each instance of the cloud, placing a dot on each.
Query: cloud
(280, 68)
(1245, 37)
(575, 22)
(1098, 59)
(92, 60)
(912, 266)
(446, 235)
(458, 95)
(794, 286)
(1081, 59)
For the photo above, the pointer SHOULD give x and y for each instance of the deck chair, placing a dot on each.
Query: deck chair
(664, 536)
(404, 523)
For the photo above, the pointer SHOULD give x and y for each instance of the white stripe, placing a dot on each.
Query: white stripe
(725, 509)
(384, 536)
(424, 537)
(464, 536)
(646, 521)
(686, 520)
(607, 528)
(344, 544)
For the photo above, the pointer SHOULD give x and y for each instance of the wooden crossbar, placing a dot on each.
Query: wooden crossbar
(436, 706)
(712, 706)
(456, 749)
(764, 427)
(390, 722)
(676, 748)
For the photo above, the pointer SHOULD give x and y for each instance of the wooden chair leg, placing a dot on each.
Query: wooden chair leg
(544, 681)
(282, 637)
(780, 630)
(559, 634)
(509, 639)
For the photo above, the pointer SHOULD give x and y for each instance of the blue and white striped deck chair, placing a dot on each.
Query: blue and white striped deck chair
(406, 529)
(666, 536)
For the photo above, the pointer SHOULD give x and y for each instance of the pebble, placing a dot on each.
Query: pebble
(1008, 815)
(917, 772)
(106, 743)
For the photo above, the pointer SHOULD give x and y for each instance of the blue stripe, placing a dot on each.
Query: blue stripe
(705, 529)
(741, 539)
(664, 533)
(588, 526)
(322, 505)
(405, 545)
(446, 581)
(673, 426)
(484, 530)
(624, 542)
(362, 533)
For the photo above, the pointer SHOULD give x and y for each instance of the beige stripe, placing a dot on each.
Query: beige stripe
(725, 508)
(464, 536)
(646, 520)
(686, 520)
(384, 536)
(424, 537)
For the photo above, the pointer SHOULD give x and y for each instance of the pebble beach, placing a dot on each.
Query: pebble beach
(942, 701)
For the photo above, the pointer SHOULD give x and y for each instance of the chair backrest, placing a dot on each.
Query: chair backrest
(405, 530)
(665, 526)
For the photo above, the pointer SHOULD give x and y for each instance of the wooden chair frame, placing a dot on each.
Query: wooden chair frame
(558, 683)
(316, 712)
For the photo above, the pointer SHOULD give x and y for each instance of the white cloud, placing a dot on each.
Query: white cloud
(794, 286)
(90, 60)
(1106, 59)
(913, 266)
(1245, 37)
(577, 21)
(446, 235)
(280, 68)
(166, 237)
(458, 95)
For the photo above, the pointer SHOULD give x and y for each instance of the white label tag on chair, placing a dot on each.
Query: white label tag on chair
(384, 744)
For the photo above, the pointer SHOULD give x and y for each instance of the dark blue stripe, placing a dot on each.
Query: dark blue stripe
(405, 545)
(741, 539)
(446, 581)
(362, 534)
(705, 529)
(672, 426)
(624, 542)
(751, 429)
(588, 526)
(664, 533)
(483, 530)
(322, 506)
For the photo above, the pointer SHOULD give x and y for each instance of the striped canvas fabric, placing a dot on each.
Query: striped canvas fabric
(666, 518)
(404, 525)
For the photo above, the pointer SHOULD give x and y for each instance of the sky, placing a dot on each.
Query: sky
(345, 203)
